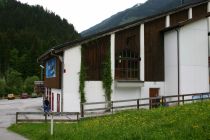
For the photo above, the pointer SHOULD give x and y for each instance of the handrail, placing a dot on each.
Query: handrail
(45, 116)
(111, 104)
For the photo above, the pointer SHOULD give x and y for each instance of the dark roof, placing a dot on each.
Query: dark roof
(61, 47)
(137, 12)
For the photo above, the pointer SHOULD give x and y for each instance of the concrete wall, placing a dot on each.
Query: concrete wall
(126, 93)
(94, 92)
(171, 68)
(193, 59)
(56, 92)
(71, 96)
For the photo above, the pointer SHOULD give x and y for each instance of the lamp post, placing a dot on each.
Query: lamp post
(42, 68)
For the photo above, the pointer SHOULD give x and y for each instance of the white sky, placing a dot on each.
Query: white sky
(84, 14)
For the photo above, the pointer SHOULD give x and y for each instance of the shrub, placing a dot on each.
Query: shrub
(29, 83)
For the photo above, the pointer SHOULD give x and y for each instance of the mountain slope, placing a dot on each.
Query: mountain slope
(139, 11)
(26, 32)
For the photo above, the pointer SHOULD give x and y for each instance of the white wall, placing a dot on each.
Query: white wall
(112, 41)
(142, 46)
(71, 96)
(94, 91)
(126, 93)
(171, 70)
(167, 22)
(194, 58)
(56, 91)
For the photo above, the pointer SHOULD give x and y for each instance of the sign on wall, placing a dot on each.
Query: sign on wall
(51, 68)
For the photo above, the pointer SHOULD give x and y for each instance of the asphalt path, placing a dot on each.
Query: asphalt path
(8, 109)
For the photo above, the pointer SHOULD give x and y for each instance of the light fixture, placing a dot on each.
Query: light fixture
(41, 66)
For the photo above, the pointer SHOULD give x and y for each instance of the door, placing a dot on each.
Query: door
(50, 99)
(58, 102)
(154, 92)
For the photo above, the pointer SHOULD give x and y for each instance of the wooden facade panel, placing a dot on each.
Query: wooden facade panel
(199, 12)
(93, 55)
(178, 17)
(123, 37)
(154, 50)
(54, 82)
(127, 54)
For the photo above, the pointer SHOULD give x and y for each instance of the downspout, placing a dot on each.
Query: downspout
(208, 44)
(178, 63)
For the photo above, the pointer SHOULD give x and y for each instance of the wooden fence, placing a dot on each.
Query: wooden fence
(143, 102)
(43, 117)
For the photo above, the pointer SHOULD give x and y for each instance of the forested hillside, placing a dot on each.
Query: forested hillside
(137, 12)
(25, 33)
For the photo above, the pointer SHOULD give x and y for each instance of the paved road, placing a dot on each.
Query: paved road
(8, 108)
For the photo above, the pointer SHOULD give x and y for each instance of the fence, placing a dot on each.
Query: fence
(43, 117)
(141, 103)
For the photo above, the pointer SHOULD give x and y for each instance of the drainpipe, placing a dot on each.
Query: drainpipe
(62, 69)
(208, 44)
(178, 63)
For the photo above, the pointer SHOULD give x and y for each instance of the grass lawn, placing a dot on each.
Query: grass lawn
(188, 122)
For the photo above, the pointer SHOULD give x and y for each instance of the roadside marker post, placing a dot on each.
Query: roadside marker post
(51, 130)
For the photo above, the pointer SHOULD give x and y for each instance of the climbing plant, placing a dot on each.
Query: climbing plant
(107, 76)
(82, 79)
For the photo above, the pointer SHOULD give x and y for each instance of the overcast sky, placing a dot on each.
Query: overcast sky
(84, 14)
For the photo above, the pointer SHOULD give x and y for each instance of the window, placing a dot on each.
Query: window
(127, 62)
(127, 65)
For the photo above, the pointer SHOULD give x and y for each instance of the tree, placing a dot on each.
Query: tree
(29, 83)
(2, 87)
(26, 32)
(14, 81)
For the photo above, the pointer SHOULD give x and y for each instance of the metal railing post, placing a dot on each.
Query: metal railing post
(182, 99)
(52, 125)
(138, 104)
(112, 106)
(82, 109)
(16, 117)
(77, 116)
(162, 98)
(45, 117)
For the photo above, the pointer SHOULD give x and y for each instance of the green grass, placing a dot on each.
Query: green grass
(188, 122)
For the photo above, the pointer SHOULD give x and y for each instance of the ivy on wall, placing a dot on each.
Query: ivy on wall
(107, 76)
(82, 79)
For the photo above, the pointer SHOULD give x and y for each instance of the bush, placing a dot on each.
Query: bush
(14, 82)
(2, 87)
(29, 84)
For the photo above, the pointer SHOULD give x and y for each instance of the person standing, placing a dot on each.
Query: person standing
(46, 105)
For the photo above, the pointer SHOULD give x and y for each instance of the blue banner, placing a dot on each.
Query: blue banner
(51, 68)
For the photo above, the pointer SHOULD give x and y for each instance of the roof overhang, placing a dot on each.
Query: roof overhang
(60, 48)
(181, 24)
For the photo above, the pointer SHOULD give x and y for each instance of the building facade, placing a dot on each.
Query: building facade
(166, 54)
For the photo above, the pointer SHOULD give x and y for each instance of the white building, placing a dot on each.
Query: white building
(166, 54)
